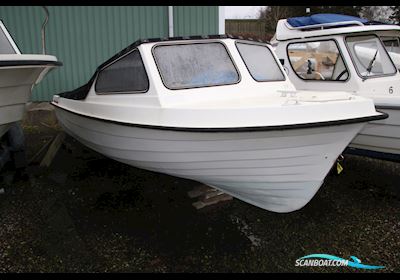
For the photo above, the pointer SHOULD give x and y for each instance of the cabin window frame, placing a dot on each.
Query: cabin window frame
(397, 38)
(123, 92)
(353, 61)
(270, 51)
(398, 41)
(320, 40)
(192, 43)
(11, 41)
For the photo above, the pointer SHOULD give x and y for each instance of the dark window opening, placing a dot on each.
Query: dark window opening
(126, 75)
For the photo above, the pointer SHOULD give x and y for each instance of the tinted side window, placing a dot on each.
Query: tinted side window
(195, 65)
(260, 62)
(5, 45)
(318, 60)
(123, 76)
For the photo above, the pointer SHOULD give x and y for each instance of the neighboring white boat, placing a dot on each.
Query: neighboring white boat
(18, 74)
(207, 109)
(328, 52)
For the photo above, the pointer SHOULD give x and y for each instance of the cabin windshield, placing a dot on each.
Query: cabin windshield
(317, 61)
(5, 45)
(195, 65)
(392, 45)
(369, 56)
(260, 62)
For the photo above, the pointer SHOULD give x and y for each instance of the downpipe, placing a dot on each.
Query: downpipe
(43, 30)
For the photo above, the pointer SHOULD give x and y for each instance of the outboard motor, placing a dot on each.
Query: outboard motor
(4, 155)
(16, 141)
(13, 147)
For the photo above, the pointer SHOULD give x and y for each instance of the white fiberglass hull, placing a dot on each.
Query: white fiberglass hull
(18, 75)
(15, 89)
(278, 170)
(381, 136)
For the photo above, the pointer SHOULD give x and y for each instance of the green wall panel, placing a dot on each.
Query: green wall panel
(195, 20)
(81, 37)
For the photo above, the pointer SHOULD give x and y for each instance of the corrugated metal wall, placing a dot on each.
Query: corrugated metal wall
(195, 20)
(84, 37)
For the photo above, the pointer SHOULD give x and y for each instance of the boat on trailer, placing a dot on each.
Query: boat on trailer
(330, 52)
(207, 109)
(19, 73)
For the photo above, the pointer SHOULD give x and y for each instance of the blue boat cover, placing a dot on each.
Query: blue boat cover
(322, 18)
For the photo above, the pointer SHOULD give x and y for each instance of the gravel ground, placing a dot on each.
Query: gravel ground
(87, 213)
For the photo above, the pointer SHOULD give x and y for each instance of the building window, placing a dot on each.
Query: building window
(195, 65)
(369, 56)
(318, 61)
(126, 75)
(260, 62)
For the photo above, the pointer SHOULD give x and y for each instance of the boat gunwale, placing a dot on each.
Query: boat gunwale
(381, 116)
(387, 107)
(372, 153)
(10, 63)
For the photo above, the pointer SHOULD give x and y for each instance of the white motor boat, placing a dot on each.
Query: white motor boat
(18, 74)
(206, 108)
(329, 52)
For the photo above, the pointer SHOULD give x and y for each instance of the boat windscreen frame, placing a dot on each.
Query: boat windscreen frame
(9, 38)
(123, 92)
(397, 38)
(353, 61)
(270, 51)
(394, 37)
(188, 42)
(320, 40)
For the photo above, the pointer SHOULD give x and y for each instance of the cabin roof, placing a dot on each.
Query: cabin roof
(327, 24)
(180, 38)
(324, 19)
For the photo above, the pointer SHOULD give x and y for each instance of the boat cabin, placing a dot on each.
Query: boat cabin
(184, 70)
(338, 52)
